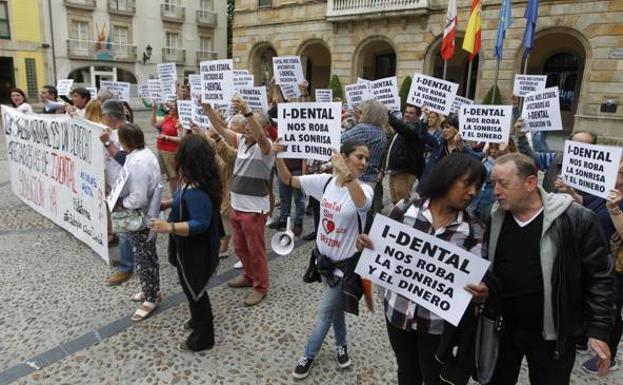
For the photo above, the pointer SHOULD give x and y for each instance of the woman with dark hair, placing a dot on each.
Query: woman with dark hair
(142, 193)
(169, 137)
(415, 332)
(195, 229)
(344, 201)
(19, 101)
(79, 98)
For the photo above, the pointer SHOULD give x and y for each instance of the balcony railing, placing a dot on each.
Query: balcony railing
(81, 4)
(206, 18)
(172, 12)
(122, 7)
(93, 50)
(206, 55)
(349, 9)
(175, 55)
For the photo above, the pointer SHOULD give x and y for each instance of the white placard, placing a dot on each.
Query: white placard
(117, 187)
(185, 112)
(155, 91)
(427, 270)
(386, 91)
(288, 70)
(485, 123)
(120, 90)
(525, 84)
(541, 110)
(62, 177)
(363, 81)
(167, 73)
(458, 102)
(92, 91)
(217, 82)
(243, 81)
(255, 97)
(64, 86)
(241, 72)
(198, 114)
(324, 95)
(143, 91)
(309, 130)
(357, 93)
(290, 91)
(436, 94)
(591, 168)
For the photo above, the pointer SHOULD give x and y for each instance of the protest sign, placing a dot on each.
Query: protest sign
(255, 97)
(324, 95)
(591, 168)
(143, 91)
(436, 94)
(198, 114)
(92, 91)
(155, 92)
(309, 130)
(185, 112)
(290, 91)
(357, 93)
(525, 84)
(116, 188)
(240, 72)
(541, 110)
(386, 91)
(288, 70)
(425, 269)
(243, 81)
(217, 82)
(485, 123)
(64, 86)
(56, 166)
(363, 81)
(167, 73)
(458, 102)
(120, 90)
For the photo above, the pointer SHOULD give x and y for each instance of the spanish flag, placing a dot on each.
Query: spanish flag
(471, 42)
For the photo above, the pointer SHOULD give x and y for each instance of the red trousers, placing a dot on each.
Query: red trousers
(250, 244)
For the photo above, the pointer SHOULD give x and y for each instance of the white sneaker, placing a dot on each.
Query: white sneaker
(238, 265)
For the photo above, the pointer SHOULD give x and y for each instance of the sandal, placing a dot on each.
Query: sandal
(140, 297)
(144, 311)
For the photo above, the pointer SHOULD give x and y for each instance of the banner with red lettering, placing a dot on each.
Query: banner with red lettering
(56, 164)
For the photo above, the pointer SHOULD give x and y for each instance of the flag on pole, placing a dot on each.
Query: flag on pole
(471, 42)
(449, 31)
(503, 24)
(532, 11)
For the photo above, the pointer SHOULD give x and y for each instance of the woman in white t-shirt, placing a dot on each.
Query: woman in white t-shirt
(344, 201)
(19, 101)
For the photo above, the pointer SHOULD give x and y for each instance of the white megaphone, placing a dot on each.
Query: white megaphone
(282, 242)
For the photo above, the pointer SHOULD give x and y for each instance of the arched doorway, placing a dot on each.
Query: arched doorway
(261, 63)
(91, 76)
(457, 69)
(561, 55)
(316, 62)
(376, 59)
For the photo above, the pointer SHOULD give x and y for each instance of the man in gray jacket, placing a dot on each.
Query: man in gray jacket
(556, 277)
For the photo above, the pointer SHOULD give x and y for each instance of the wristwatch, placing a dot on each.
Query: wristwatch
(107, 143)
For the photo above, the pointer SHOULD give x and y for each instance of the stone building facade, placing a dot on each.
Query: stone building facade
(578, 44)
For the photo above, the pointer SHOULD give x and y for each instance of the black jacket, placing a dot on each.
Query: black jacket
(406, 149)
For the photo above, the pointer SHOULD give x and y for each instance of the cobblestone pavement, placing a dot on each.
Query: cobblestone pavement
(59, 323)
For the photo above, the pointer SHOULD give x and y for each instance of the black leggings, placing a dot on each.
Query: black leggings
(202, 320)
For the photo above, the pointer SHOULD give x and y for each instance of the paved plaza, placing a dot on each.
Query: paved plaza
(59, 323)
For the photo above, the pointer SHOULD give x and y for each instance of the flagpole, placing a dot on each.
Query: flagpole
(495, 81)
(445, 69)
(525, 71)
(469, 78)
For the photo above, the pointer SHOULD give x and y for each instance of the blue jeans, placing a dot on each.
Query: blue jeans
(126, 258)
(330, 312)
(285, 195)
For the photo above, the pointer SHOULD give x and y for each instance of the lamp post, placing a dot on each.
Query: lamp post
(147, 53)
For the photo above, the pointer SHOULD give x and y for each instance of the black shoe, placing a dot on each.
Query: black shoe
(310, 237)
(297, 230)
(278, 226)
(342, 357)
(188, 325)
(302, 368)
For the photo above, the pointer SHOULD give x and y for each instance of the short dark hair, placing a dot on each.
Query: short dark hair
(132, 136)
(351, 145)
(83, 92)
(51, 89)
(450, 169)
(418, 110)
(452, 120)
(587, 132)
(525, 165)
(19, 91)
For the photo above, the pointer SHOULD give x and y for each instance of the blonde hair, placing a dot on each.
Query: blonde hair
(373, 112)
(93, 111)
(440, 119)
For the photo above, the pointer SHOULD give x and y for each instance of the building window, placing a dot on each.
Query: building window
(171, 5)
(5, 30)
(80, 33)
(31, 78)
(205, 5)
(205, 43)
(171, 40)
(265, 3)
(121, 35)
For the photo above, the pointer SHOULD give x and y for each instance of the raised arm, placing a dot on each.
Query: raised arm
(218, 123)
(153, 118)
(258, 132)
(282, 170)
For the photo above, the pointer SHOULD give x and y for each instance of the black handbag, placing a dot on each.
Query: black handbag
(312, 274)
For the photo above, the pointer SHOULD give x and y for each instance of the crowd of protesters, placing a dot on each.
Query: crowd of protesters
(555, 280)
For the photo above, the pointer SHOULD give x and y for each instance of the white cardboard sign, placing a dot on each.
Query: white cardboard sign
(525, 84)
(458, 102)
(255, 97)
(143, 91)
(357, 93)
(485, 123)
(167, 73)
(309, 130)
(198, 114)
(116, 188)
(155, 91)
(217, 82)
(324, 95)
(427, 270)
(541, 110)
(436, 94)
(591, 168)
(185, 112)
(121, 90)
(386, 91)
(64, 86)
(288, 75)
(243, 81)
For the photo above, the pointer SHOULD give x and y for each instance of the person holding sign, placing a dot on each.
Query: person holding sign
(344, 202)
(415, 332)
(554, 268)
(169, 136)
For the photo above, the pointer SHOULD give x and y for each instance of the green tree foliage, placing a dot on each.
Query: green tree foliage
(404, 92)
(230, 23)
(489, 97)
(336, 86)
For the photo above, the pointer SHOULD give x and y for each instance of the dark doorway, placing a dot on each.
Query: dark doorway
(562, 72)
(385, 66)
(7, 79)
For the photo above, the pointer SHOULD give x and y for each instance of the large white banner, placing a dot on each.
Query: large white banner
(56, 164)
(427, 270)
(436, 94)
